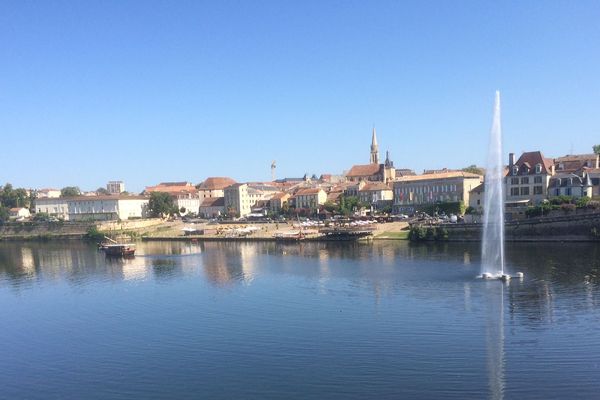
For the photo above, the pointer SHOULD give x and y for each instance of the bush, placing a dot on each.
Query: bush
(94, 234)
(558, 200)
(582, 202)
(568, 207)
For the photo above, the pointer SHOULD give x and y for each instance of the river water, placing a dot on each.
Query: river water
(309, 321)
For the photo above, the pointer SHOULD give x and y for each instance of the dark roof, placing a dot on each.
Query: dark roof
(530, 159)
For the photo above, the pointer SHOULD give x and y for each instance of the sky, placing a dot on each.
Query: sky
(154, 91)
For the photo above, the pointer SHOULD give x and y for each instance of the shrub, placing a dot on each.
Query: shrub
(567, 207)
(582, 202)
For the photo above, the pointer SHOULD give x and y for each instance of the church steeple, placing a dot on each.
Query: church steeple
(374, 149)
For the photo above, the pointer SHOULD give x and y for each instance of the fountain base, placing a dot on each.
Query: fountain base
(500, 276)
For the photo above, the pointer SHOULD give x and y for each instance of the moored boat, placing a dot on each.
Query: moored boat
(119, 250)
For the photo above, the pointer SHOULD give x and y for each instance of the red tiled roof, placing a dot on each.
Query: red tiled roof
(375, 186)
(364, 170)
(278, 196)
(216, 183)
(304, 192)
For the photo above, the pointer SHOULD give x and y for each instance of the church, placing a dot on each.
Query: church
(374, 171)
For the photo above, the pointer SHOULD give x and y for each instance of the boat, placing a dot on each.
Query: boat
(293, 236)
(119, 250)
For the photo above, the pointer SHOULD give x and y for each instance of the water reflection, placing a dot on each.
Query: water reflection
(494, 338)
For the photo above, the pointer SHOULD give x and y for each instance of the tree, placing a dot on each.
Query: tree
(70, 191)
(161, 205)
(474, 169)
(4, 214)
(596, 148)
(102, 191)
(10, 197)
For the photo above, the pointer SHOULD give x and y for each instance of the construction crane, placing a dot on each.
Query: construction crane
(273, 166)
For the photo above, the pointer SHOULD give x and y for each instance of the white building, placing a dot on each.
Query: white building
(240, 197)
(115, 187)
(48, 193)
(188, 201)
(94, 208)
(19, 213)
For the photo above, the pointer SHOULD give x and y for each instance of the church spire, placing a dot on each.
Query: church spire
(374, 149)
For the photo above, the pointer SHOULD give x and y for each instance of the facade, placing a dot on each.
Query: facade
(527, 179)
(214, 187)
(190, 201)
(378, 195)
(310, 198)
(48, 193)
(115, 187)
(241, 197)
(476, 198)
(97, 208)
(410, 192)
(212, 207)
(594, 174)
(277, 201)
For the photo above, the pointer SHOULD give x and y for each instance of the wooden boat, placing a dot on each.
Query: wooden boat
(119, 250)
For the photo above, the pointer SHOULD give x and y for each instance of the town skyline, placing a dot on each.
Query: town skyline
(181, 92)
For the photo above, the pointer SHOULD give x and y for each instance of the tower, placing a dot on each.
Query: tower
(374, 149)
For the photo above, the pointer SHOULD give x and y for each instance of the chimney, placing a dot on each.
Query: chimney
(511, 159)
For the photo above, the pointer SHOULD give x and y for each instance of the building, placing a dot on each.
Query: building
(48, 193)
(374, 171)
(476, 198)
(214, 187)
(594, 174)
(570, 184)
(377, 194)
(310, 198)
(19, 213)
(212, 207)
(115, 187)
(241, 197)
(527, 179)
(98, 208)
(278, 201)
(411, 192)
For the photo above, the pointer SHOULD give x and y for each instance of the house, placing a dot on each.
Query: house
(19, 213)
(411, 192)
(115, 187)
(98, 208)
(377, 194)
(527, 179)
(570, 184)
(214, 186)
(212, 207)
(189, 202)
(310, 198)
(594, 174)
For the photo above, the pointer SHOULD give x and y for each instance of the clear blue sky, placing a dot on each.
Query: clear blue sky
(153, 91)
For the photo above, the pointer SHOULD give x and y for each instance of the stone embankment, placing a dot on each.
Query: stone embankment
(566, 227)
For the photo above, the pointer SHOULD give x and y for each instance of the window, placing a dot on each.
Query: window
(568, 191)
(595, 181)
(538, 168)
(537, 179)
(514, 191)
(525, 191)
(478, 201)
(524, 180)
(515, 170)
(538, 190)
(514, 181)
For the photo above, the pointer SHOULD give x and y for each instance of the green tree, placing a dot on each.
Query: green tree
(102, 191)
(474, 169)
(10, 197)
(596, 148)
(161, 205)
(4, 214)
(70, 191)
